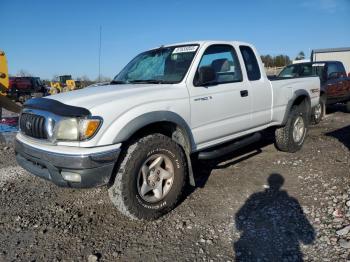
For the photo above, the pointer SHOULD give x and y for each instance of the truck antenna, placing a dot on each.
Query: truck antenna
(99, 56)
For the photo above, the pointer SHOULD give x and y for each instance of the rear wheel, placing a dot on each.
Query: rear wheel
(151, 178)
(291, 137)
(319, 111)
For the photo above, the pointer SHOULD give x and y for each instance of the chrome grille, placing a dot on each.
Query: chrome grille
(33, 125)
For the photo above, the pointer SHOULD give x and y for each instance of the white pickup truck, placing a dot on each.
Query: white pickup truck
(138, 134)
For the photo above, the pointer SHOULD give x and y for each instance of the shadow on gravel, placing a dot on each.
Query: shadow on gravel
(342, 134)
(336, 108)
(272, 224)
(202, 169)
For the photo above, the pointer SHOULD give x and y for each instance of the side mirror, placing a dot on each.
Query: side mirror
(349, 74)
(206, 75)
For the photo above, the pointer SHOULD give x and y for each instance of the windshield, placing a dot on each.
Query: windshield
(302, 70)
(289, 71)
(162, 65)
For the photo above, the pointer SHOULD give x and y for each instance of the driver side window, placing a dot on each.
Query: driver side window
(224, 62)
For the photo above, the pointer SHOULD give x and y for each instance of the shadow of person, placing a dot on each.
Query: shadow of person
(272, 224)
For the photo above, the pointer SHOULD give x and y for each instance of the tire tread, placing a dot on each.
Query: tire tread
(118, 191)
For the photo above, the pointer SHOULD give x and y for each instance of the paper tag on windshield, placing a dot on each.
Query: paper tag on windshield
(318, 64)
(185, 49)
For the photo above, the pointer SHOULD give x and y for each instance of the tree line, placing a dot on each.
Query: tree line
(280, 60)
(276, 61)
(84, 78)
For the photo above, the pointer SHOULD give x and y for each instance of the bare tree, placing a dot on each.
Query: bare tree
(102, 79)
(23, 73)
(85, 78)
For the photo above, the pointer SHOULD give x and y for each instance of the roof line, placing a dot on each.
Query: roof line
(326, 50)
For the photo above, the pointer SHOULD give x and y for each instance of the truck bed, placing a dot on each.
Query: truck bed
(280, 87)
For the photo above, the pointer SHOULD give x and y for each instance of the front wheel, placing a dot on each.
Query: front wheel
(291, 137)
(151, 178)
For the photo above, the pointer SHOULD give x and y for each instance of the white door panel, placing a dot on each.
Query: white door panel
(219, 111)
(261, 90)
(261, 97)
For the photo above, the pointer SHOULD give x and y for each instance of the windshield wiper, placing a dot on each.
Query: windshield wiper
(150, 81)
(147, 81)
(118, 82)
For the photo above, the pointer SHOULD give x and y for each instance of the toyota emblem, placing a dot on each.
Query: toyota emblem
(28, 125)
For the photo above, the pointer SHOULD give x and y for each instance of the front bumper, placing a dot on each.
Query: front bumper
(93, 169)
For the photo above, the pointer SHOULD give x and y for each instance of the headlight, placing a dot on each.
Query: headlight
(75, 129)
(68, 129)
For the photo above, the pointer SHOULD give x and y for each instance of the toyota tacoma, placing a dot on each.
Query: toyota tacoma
(168, 106)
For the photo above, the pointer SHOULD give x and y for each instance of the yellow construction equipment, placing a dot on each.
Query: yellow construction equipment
(4, 77)
(4, 85)
(64, 83)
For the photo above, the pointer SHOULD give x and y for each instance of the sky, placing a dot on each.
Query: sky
(48, 38)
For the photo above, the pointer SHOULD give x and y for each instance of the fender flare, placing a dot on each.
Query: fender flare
(296, 95)
(160, 116)
(151, 118)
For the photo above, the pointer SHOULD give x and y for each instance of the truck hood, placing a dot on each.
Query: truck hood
(90, 97)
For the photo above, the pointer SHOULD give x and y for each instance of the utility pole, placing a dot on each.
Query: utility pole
(99, 57)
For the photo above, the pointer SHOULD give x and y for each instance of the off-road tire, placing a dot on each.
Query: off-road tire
(315, 120)
(124, 193)
(284, 140)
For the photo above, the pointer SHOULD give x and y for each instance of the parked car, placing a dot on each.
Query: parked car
(335, 83)
(23, 88)
(170, 104)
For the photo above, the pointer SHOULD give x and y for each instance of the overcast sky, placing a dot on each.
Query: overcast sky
(48, 38)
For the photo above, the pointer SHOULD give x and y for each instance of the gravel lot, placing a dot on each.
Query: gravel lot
(259, 203)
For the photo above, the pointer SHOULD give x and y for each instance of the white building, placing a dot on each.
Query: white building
(333, 54)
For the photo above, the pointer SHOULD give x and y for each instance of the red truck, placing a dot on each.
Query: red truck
(24, 88)
(335, 83)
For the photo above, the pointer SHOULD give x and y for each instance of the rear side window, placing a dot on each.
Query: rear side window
(251, 64)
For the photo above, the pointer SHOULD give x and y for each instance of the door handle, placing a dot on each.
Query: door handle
(244, 93)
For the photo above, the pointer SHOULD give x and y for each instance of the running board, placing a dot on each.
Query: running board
(224, 150)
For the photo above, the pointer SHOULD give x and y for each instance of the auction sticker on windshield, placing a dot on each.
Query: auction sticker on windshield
(185, 49)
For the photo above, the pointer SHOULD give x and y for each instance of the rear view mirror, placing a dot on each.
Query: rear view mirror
(206, 75)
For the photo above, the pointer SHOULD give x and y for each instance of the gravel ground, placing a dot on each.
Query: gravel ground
(259, 203)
